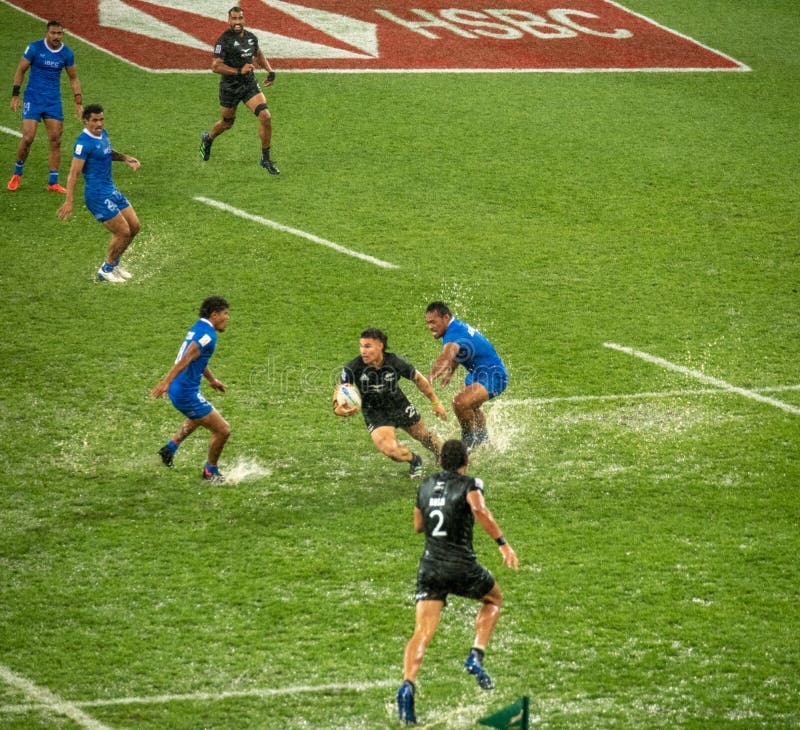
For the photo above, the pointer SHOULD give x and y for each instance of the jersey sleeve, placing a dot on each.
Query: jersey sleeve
(69, 57)
(80, 150)
(219, 46)
(476, 486)
(404, 368)
(30, 53)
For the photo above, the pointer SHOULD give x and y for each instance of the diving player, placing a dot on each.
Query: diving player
(376, 373)
(92, 157)
(487, 375)
(236, 56)
(182, 383)
(448, 503)
(46, 58)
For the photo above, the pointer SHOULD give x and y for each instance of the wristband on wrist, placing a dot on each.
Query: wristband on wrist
(15, 90)
(239, 71)
(435, 403)
(271, 76)
(501, 541)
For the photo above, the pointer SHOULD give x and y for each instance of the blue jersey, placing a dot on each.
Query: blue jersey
(188, 381)
(96, 154)
(44, 83)
(475, 352)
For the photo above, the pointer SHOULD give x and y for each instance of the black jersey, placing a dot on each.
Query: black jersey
(380, 389)
(235, 50)
(448, 520)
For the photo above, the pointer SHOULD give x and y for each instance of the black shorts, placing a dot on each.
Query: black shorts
(239, 90)
(401, 415)
(434, 584)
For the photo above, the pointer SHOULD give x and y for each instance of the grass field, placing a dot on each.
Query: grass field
(655, 510)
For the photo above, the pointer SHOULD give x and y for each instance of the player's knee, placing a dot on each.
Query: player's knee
(227, 122)
(224, 429)
(262, 112)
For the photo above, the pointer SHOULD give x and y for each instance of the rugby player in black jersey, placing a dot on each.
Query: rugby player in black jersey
(376, 373)
(448, 504)
(236, 57)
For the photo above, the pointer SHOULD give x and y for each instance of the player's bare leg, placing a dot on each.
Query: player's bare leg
(258, 105)
(29, 127)
(223, 124)
(385, 440)
(427, 620)
(54, 129)
(220, 432)
(421, 433)
(488, 614)
(123, 228)
(466, 406)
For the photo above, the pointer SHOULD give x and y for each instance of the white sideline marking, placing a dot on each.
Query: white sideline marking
(8, 130)
(632, 396)
(294, 231)
(703, 378)
(51, 701)
(210, 696)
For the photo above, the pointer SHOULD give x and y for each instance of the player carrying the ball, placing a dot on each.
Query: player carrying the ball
(376, 373)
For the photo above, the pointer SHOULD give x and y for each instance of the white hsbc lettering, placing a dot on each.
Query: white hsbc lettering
(514, 24)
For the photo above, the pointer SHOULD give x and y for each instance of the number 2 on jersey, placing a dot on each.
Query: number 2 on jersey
(437, 531)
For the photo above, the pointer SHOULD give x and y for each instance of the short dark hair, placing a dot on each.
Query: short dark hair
(373, 333)
(213, 304)
(454, 455)
(54, 24)
(440, 308)
(235, 9)
(90, 109)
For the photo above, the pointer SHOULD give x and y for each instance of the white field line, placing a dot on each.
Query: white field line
(294, 231)
(502, 402)
(44, 697)
(212, 696)
(702, 377)
(8, 130)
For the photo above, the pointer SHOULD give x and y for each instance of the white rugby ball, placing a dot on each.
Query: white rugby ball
(348, 395)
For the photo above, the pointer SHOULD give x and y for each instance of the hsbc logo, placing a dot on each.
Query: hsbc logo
(389, 35)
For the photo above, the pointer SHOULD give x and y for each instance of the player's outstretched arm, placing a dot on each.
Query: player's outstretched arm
(19, 74)
(445, 365)
(426, 389)
(191, 354)
(486, 520)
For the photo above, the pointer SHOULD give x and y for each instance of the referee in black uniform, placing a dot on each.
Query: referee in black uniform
(448, 503)
(376, 373)
(236, 56)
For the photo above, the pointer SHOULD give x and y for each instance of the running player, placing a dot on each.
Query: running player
(448, 503)
(487, 375)
(46, 58)
(92, 157)
(376, 373)
(182, 384)
(236, 56)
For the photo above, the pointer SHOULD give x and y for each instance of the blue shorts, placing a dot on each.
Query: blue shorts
(495, 380)
(38, 112)
(106, 207)
(193, 405)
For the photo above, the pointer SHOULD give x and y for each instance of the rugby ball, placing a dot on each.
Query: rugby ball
(348, 395)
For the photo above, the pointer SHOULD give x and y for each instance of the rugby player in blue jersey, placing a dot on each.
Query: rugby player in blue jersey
(487, 375)
(92, 158)
(182, 384)
(46, 59)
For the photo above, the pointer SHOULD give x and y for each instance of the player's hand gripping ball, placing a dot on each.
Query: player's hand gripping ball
(348, 395)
